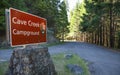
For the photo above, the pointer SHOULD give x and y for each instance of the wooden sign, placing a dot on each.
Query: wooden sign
(26, 28)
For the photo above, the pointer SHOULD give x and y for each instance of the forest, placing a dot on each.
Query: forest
(97, 22)
(92, 21)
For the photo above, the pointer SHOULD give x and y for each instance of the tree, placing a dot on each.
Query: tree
(44, 8)
(75, 20)
(3, 5)
(62, 21)
(104, 28)
(18, 4)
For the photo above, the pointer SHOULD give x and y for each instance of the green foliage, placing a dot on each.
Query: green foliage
(62, 21)
(97, 15)
(3, 4)
(44, 8)
(117, 8)
(18, 4)
(76, 19)
(60, 64)
(99, 21)
(3, 68)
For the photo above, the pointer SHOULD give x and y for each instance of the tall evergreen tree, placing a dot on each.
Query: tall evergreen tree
(62, 21)
(3, 5)
(44, 8)
(18, 4)
(75, 20)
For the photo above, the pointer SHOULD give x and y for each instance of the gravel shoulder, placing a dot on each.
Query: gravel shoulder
(102, 61)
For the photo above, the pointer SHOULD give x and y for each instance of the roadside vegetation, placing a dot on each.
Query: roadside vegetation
(61, 62)
(3, 67)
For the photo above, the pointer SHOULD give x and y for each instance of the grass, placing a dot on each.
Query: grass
(60, 64)
(54, 44)
(3, 67)
(3, 48)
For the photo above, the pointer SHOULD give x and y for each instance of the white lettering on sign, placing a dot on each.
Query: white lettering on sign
(25, 33)
(33, 24)
(15, 20)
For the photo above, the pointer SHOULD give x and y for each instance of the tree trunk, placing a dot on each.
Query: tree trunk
(111, 25)
(63, 35)
(119, 42)
(100, 34)
(107, 36)
(103, 35)
(95, 38)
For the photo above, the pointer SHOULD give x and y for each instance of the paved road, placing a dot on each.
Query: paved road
(103, 61)
(5, 55)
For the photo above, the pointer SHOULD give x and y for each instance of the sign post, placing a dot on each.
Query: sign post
(7, 25)
(26, 28)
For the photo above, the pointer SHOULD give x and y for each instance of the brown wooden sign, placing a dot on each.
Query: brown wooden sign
(26, 28)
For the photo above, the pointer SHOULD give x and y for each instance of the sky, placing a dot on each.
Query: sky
(72, 3)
